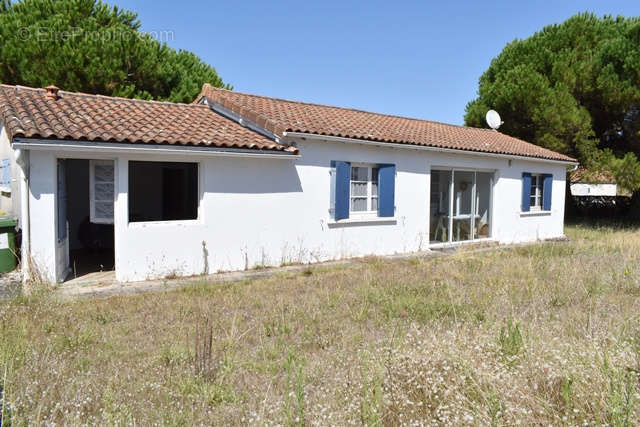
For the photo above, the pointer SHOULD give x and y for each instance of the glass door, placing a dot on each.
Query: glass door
(460, 208)
(439, 230)
(482, 221)
(462, 218)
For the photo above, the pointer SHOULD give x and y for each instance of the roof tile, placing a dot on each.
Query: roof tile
(279, 116)
(28, 112)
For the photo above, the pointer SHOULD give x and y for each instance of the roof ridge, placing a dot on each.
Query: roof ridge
(104, 97)
(315, 104)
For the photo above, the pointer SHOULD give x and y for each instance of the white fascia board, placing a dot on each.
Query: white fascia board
(422, 147)
(124, 148)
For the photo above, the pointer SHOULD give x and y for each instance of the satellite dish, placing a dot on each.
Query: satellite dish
(493, 119)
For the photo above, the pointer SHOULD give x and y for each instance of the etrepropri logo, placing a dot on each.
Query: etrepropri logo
(47, 34)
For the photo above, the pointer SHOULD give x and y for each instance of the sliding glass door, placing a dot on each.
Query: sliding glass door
(460, 205)
(482, 221)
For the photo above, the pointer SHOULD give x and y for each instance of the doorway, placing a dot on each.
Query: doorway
(85, 217)
(460, 205)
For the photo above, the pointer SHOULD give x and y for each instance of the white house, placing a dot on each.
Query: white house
(585, 183)
(235, 181)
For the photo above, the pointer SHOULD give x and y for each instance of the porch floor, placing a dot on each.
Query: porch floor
(95, 278)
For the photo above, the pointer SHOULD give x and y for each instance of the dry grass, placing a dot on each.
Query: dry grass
(544, 334)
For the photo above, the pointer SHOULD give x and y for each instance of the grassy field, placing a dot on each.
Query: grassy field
(544, 334)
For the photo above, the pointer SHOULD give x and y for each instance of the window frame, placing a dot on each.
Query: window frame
(370, 196)
(92, 200)
(536, 195)
(5, 169)
(169, 222)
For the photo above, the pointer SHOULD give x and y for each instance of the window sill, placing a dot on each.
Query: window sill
(169, 223)
(362, 221)
(535, 213)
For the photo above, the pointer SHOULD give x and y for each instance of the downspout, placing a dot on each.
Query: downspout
(22, 159)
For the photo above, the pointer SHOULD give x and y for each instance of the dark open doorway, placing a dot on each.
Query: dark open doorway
(91, 239)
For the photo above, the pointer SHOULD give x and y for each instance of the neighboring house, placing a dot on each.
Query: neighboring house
(585, 183)
(236, 181)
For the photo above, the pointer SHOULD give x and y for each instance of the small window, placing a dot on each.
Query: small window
(5, 184)
(537, 191)
(364, 189)
(163, 191)
(101, 191)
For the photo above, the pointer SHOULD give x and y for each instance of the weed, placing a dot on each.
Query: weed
(205, 360)
(294, 397)
(314, 349)
(371, 395)
(75, 340)
(510, 340)
(621, 394)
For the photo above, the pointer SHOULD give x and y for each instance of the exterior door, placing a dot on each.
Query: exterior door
(62, 228)
(462, 217)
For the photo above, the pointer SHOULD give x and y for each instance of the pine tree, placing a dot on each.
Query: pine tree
(574, 88)
(89, 46)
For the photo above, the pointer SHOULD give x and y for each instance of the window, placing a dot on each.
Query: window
(5, 185)
(537, 190)
(364, 189)
(163, 191)
(101, 191)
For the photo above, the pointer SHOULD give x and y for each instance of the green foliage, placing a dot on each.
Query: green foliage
(89, 46)
(510, 339)
(294, 410)
(621, 394)
(573, 88)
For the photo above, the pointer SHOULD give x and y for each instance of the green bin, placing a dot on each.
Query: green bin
(8, 260)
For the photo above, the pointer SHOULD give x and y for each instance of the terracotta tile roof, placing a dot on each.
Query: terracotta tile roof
(36, 113)
(279, 115)
(587, 176)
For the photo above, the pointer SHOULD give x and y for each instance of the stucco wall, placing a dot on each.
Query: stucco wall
(256, 212)
(581, 189)
(10, 201)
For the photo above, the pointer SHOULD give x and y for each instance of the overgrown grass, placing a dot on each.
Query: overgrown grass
(540, 334)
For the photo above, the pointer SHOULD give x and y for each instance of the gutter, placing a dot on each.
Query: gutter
(422, 147)
(130, 148)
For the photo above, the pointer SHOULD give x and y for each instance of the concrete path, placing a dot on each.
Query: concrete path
(101, 289)
(104, 285)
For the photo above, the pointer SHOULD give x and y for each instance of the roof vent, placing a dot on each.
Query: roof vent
(52, 92)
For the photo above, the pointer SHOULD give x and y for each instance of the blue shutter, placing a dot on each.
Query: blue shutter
(526, 191)
(386, 190)
(6, 173)
(343, 180)
(547, 186)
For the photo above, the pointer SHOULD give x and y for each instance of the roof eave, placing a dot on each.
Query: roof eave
(150, 148)
(424, 147)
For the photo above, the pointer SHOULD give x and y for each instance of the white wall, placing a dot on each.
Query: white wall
(581, 189)
(10, 201)
(42, 213)
(257, 212)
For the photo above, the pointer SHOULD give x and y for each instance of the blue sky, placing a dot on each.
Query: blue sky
(416, 59)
